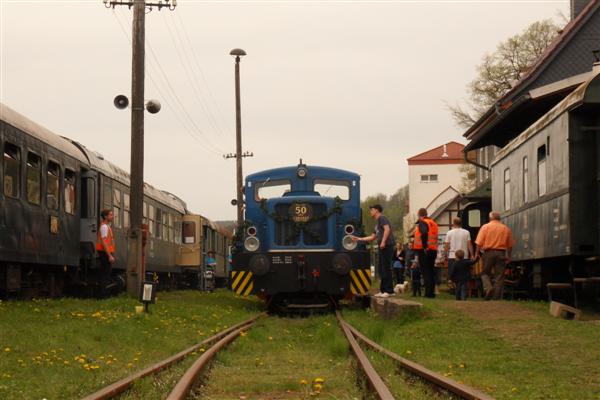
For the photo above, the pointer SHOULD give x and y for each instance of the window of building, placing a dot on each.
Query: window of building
(126, 216)
(525, 180)
(52, 186)
(12, 170)
(117, 205)
(34, 179)
(69, 192)
(541, 169)
(332, 188)
(474, 218)
(429, 178)
(507, 189)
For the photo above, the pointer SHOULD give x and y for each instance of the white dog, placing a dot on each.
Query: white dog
(401, 287)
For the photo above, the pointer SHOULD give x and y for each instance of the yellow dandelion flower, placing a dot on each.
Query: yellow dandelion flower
(408, 352)
(317, 387)
(462, 365)
(270, 337)
(129, 365)
(303, 382)
(319, 380)
(7, 349)
(108, 362)
(66, 362)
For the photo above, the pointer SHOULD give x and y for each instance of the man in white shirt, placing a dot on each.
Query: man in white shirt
(457, 239)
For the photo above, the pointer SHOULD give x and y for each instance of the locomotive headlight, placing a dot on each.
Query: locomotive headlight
(301, 172)
(251, 231)
(251, 243)
(259, 264)
(348, 243)
(349, 229)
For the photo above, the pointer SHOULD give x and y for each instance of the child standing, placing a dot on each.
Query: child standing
(461, 273)
(415, 277)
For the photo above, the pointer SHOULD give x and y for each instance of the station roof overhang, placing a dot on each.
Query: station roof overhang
(500, 124)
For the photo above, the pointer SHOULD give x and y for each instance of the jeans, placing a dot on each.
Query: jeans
(461, 290)
(385, 269)
(427, 263)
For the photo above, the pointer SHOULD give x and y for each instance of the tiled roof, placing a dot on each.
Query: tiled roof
(448, 153)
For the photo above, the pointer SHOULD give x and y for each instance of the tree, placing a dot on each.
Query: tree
(501, 70)
(394, 207)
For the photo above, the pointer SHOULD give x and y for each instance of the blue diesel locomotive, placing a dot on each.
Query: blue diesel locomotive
(294, 249)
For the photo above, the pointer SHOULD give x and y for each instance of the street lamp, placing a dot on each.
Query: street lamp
(237, 53)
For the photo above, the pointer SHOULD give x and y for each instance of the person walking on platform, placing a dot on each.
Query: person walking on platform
(385, 242)
(457, 238)
(426, 240)
(495, 239)
(105, 246)
(461, 273)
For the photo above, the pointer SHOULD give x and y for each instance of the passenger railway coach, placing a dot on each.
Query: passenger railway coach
(546, 182)
(295, 248)
(53, 189)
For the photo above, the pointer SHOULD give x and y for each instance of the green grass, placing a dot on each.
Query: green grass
(510, 350)
(281, 358)
(69, 348)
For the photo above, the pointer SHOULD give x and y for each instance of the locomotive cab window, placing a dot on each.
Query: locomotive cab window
(269, 189)
(12, 170)
(332, 188)
(69, 191)
(34, 179)
(53, 186)
(541, 169)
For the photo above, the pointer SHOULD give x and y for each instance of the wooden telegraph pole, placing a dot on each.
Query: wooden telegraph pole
(238, 139)
(135, 266)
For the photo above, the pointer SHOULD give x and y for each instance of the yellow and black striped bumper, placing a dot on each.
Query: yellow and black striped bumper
(241, 282)
(360, 281)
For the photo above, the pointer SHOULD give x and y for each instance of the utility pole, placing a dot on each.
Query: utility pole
(135, 266)
(238, 139)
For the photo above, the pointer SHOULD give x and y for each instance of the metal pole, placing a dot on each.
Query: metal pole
(238, 140)
(135, 268)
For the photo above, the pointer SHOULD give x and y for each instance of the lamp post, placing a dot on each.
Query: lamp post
(238, 136)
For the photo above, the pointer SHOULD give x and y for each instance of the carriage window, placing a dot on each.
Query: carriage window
(171, 231)
(126, 211)
(158, 223)
(145, 212)
(117, 208)
(189, 232)
(107, 195)
(88, 194)
(52, 186)
(269, 189)
(525, 180)
(541, 169)
(151, 219)
(34, 179)
(331, 188)
(507, 189)
(12, 170)
(69, 191)
(177, 229)
(165, 227)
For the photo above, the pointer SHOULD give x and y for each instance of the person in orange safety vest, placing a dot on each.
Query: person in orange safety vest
(425, 245)
(105, 246)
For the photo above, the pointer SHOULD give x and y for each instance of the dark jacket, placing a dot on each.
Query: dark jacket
(461, 271)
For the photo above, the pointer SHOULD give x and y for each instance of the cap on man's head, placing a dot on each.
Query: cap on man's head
(377, 207)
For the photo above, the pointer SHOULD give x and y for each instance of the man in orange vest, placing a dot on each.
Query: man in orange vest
(426, 244)
(105, 246)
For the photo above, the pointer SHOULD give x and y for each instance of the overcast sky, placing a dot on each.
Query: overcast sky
(354, 85)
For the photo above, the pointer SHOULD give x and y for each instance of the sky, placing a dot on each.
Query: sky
(360, 86)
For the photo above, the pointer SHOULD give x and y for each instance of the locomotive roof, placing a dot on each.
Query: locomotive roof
(588, 92)
(90, 158)
(37, 131)
(313, 170)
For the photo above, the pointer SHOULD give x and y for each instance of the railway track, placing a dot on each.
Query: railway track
(217, 342)
(378, 384)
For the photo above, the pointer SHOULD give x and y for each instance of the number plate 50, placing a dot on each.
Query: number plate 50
(301, 212)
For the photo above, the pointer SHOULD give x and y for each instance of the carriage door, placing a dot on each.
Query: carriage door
(89, 206)
(191, 243)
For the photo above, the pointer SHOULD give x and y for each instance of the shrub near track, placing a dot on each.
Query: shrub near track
(510, 350)
(68, 348)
